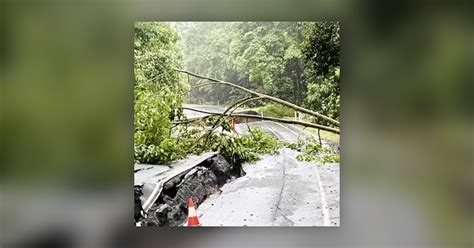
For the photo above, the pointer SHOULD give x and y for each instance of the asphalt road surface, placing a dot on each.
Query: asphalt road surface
(277, 190)
(209, 108)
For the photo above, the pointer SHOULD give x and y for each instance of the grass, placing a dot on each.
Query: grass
(325, 134)
(275, 110)
(280, 111)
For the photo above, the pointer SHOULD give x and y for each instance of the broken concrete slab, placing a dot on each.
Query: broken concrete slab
(152, 179)
(143, 173)
(168, 206)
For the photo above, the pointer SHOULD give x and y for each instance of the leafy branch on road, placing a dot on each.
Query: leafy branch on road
(313, 150)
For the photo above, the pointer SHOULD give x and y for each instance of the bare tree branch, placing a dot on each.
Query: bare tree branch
(254, 93)
(198, 86)
(306, 124)
(219, 120)
(207, 116)
(244, 102)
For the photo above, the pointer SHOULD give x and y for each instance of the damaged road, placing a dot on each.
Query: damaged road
(278, 190)
(196, 177)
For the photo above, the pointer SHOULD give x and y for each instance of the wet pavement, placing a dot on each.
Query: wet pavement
(277, 191)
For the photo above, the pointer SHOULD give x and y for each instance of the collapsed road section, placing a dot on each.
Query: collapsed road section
(161, 192)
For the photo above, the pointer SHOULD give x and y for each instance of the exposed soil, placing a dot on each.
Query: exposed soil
(170, 209)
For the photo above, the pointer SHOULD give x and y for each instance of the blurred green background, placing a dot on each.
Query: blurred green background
(407, 120)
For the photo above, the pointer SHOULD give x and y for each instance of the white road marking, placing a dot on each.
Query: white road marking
(273, 131)
(324, 204)
(297, 135)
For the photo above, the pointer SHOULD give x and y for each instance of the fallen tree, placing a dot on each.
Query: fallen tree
(289, 121)
(259, 95)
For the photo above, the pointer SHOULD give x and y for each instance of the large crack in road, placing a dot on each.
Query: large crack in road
(278, 190)
(280, 212)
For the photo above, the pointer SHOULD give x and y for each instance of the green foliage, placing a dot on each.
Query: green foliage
(324, 95)
(263, 56)
(247, 148)
(261, 143)
(156, 54)
(268, 57)
(321, 49)
(158, 90)
(198, 140)
(325, 135)
(295, 61)
(159, 97)
(275, 110)
(312, 150)
(263, 52)
(152, 122)
(321, 46)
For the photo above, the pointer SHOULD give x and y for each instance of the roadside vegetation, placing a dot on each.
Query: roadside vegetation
(325, 135)
(277, 59)
(312, 150)
(294, 61)
(275, 110)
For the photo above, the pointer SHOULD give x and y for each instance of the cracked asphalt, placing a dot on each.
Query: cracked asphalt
(277, 190)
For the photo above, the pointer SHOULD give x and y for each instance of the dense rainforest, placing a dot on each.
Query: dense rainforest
(294, 61)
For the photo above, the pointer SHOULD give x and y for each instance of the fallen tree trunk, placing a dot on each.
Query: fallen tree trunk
(261, 95)
(306, 124)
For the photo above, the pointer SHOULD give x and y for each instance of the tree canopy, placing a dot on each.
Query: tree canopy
(297, 62)
(158, 88)
(294, 61)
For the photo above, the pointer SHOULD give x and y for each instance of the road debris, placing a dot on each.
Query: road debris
(170, 207)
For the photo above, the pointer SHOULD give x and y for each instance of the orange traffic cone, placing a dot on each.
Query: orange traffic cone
(192, 215)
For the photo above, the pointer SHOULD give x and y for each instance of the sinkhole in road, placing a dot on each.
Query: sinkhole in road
(206, 178)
